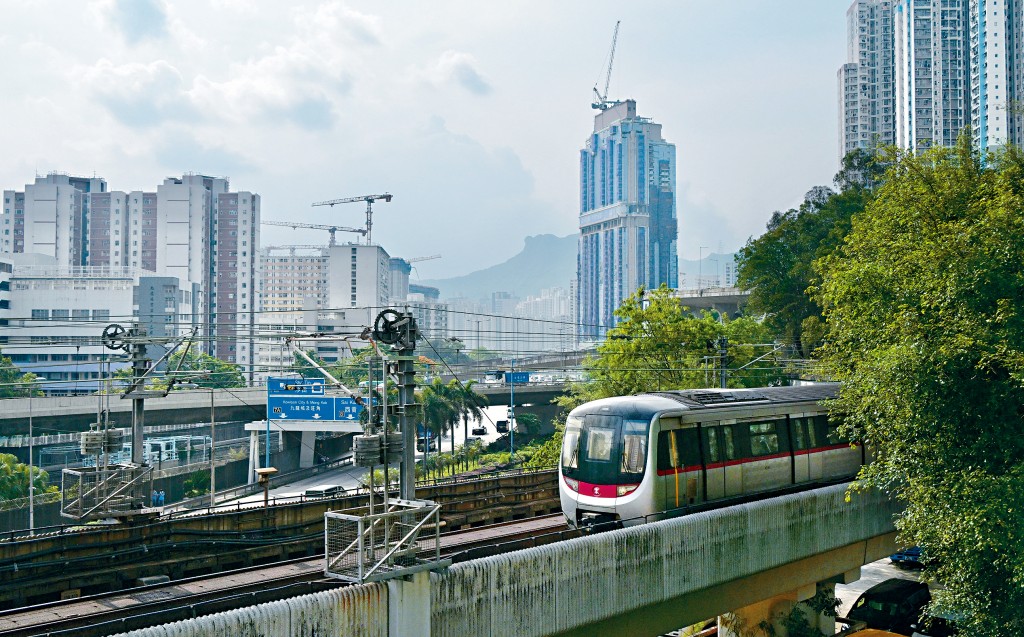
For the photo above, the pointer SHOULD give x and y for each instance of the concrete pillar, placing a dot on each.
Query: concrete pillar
(745, 621)
(409, 605)
(306, 449)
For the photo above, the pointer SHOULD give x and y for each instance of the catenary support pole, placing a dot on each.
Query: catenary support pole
(213, 448)
(407, 408)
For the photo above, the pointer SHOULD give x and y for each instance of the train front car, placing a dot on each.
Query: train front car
(604, 471)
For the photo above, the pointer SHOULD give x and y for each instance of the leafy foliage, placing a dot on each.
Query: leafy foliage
(15, 476)
(14, 383)
(925, 310)
(205, 370)
(657, 346)
(777, 266)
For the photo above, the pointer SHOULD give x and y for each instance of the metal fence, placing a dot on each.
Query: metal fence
(105, 491)
(403, 539)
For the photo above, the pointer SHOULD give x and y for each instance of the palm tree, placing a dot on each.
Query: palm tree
(439, 410)
(470, 406)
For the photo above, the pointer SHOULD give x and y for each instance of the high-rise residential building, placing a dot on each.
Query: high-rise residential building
(207, 233)
(994, 55)
(628, 226)
(193, 228)
(954, 63)
(866, 87)
(931, 60)
(291, 276)
(424, 303)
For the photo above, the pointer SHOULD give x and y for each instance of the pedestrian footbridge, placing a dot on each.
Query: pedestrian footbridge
(644, 580)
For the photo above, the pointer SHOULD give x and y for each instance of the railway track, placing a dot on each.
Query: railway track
(144, 606)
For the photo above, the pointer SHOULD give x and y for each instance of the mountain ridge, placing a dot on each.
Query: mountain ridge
(546, 261)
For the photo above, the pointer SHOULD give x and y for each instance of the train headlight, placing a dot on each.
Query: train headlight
(573, 484)
(625, 489)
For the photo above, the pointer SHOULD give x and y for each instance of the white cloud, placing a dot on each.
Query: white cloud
(461, 69)
(139, 94)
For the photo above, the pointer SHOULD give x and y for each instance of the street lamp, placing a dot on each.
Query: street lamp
(700, 265)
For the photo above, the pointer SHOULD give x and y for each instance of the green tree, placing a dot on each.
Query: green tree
(657, 345)
(440, 410)
(14, 383)
(469, 405)
(925, 311)
(777, 266)
(205, 370)
(15, 476)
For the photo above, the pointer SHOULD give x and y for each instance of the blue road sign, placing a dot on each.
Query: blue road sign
(301, 408)
(295, 386)
(347, 409)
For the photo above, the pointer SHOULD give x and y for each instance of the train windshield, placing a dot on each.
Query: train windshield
(602, 449)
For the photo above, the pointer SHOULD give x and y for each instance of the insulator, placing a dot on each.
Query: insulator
(366, 449)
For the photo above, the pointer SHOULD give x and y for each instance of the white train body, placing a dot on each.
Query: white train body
(631, 458)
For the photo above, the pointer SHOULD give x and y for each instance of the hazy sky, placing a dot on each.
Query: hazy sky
(470, 113)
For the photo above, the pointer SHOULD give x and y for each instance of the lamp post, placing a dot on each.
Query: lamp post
(700, 266)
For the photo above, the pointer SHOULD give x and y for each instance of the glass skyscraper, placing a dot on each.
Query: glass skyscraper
(628, 225)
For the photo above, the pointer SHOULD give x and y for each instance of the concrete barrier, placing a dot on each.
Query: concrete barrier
(667, 573)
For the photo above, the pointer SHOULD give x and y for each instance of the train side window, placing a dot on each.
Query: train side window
(634, 446)
(764, 439)
(677, 449)
(830, 430)
(727, 438)
(799, 427)
(711, 445)
(812, 436)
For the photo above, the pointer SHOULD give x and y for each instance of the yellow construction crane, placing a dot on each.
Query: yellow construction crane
(318, 226)
(369, 199)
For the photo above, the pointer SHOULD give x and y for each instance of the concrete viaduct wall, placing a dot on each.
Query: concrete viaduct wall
(642, 580)
(64, 412)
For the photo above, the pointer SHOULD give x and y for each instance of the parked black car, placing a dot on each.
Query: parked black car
(894, 605)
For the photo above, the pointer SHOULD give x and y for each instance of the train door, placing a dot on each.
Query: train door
(731, 451)
(766, 443)
(806, 464)
(679, 466)
(712, 443)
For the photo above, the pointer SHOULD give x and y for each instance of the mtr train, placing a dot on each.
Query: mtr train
(626, 458)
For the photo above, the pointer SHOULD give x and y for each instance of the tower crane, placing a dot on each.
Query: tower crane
(318, 226)
(369, 199)
(417, 259)
(601, 101)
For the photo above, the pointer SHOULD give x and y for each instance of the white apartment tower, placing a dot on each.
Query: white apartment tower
(866, 88)
(931, 60)
(994, 32)
(954, 63)
(192, 228)
(292, 277)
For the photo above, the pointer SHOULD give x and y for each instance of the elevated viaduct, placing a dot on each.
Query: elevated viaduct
(751, 559)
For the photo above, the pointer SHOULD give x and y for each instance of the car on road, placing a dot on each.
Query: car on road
(894, 605)
(907, 558)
